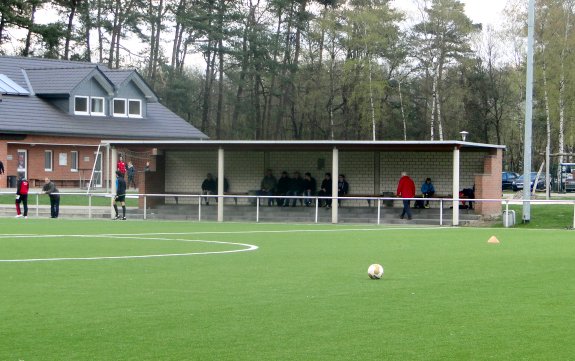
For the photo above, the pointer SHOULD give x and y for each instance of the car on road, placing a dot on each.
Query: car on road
(507, 179)
(518, 183)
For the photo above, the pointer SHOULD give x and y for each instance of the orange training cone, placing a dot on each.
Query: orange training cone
(493, 240)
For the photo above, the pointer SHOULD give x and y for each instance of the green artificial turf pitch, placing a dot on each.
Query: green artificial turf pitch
(304, 294)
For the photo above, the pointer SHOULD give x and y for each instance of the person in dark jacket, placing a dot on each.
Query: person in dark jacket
(268, 186)
(50, 189)
(282, 189)
(22, 188)
(296, 188)
(309, 185)
(342, 186)
(131, 171)
(209, 187)
(325, 191)
(120, 195)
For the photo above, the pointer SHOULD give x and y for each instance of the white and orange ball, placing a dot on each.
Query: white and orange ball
(375, 271)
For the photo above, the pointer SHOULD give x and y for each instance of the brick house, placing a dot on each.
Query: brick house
(54, 114)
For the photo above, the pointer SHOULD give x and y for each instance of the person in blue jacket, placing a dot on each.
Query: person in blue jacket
(427, 190)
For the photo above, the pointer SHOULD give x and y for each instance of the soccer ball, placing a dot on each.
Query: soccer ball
(375, 271)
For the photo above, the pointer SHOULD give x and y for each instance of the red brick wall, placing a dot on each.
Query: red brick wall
(153, 182)
(488, 185)
(61, 174)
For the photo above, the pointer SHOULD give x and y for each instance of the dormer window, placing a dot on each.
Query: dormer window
(89, 106)
(135, 108)
(127, 108)
(81, 105)
(97, 106)
(119, 106)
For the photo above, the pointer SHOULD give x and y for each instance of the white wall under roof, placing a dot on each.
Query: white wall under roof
(185, 170)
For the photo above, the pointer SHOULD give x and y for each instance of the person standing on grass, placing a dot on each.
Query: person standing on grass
(50, 189)
(22, 188)
(131, 175)
(406, 189)
(120, 195)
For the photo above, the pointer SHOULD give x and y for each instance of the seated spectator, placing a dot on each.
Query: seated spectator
(226, 184)
(209, 187)
(325, 191)
(342, 186)
(296, 188)
(268, 186)
(428, 190)
(282, 188)
(468, 193)
(308, 188)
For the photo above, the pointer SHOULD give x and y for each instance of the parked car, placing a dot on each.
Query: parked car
(569, 183)
(507, 179)
(518, 183)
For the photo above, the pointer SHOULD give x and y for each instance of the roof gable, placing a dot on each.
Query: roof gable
(121, 78)
(63, 81)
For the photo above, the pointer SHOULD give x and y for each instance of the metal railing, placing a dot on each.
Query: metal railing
(256, 200)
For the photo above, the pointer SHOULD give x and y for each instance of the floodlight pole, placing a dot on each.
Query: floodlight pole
(528, 116)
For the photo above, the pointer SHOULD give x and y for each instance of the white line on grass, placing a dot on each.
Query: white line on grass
(249, 247)
(226, 232)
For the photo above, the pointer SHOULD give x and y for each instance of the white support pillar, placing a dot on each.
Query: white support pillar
(112, 167)
(455, 189)
(108, 169)
(334, 178)
(220, 185)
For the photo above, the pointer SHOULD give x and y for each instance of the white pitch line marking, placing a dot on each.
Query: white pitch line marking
(249, 247)
(226, 232)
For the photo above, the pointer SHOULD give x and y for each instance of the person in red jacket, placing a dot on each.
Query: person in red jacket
(22, 196)
(406, 189)
(121, 166)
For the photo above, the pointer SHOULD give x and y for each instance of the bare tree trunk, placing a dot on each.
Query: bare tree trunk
(73, 6)
(402, 112)
(433, 105)
(100, 34)
(28, 44)
(561, 143)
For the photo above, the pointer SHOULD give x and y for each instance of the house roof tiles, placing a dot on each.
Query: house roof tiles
(36, 115)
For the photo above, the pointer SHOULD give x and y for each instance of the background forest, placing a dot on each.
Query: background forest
(324, 69)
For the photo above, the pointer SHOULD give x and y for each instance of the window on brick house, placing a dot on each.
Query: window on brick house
(97, 106)
(135, 108)
(119, 107)
(74, 161)
(48, 160)
(81, 106)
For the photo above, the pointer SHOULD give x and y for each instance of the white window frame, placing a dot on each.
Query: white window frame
(51, 168)
(88, 105)
(74, 162)
(139, 115)
(103, 112)
(125, 113)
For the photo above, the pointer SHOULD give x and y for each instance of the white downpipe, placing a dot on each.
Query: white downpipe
(334, 178)
(112, 164)
(455, 190)
(220, 184)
